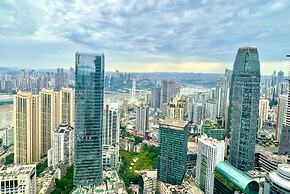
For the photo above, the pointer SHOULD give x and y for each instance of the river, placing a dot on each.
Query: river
(6, 115)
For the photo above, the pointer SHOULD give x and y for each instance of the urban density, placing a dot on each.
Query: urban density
(83, 129)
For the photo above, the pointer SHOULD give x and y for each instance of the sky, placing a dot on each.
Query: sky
(144, 35)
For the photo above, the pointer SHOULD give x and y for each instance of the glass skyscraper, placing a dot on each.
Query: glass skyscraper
(243, 112)
(89, 97)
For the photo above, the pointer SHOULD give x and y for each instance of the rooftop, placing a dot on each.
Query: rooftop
(174, 123)
(281, 177)
(15, 170)
(209, 140)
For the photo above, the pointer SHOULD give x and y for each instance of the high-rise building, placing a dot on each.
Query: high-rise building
(244, 108)
(210, 153)
(7, 138)
(213, 130)
(210, 110)
(219, 98)
(284, 144)
(18, 179)
(263, 111)
(155, 97)
(89, 98)
(172, 155)
(26, 128)
(282, 106)
(176, 109)
(133, 92)
(280, 80)
(197, 113)
(142, 118)
(228, 78)
(63, 144)
(67, 106)
(111, 135)
(169, 90)
(111, 124)
(279, 181)
(49, 117)
(110, 157)
(60, 79)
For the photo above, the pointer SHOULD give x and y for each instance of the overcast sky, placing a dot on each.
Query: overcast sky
(144, 35)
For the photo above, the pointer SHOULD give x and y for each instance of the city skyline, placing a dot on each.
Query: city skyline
(198, 36)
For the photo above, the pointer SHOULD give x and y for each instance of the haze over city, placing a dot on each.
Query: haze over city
(144, 97)
(176, 36)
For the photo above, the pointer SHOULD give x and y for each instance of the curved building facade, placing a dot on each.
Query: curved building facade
(280, 180)
(228, 179)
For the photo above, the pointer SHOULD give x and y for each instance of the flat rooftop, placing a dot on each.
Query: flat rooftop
(174, 123)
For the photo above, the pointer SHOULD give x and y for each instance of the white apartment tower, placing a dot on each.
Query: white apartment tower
(210, 153)
(263, 111)
(111, 126)
(63, 145)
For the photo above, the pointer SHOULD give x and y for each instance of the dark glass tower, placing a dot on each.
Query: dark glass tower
(284, 144)
(172, 151)
(243, 112)
(88, 119)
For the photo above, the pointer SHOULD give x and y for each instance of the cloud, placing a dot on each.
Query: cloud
(144, 32)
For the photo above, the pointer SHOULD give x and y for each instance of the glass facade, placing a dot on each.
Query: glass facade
(88, 119)
(244, 108)
(172, 154)
(228, 179)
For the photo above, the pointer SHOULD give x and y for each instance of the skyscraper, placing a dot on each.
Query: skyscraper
(210, 153)
(169, 89)
(176, 109)
(67, 106)
(155, 97)
(111, 131)
(142, 118)
(172, 154)
(133, 92)
(196, 113)
(282, 106)
(227, 82)
(284, 144)
(219, 97)
(89, 119)
(26, 128)
(49, 117)
(280, 79)
(243, 112)
(263, 111)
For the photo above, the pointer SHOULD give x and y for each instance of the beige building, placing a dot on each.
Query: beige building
(26, 128)
(67, 108)
(176, 108)
(49, 117)
(18, 179)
